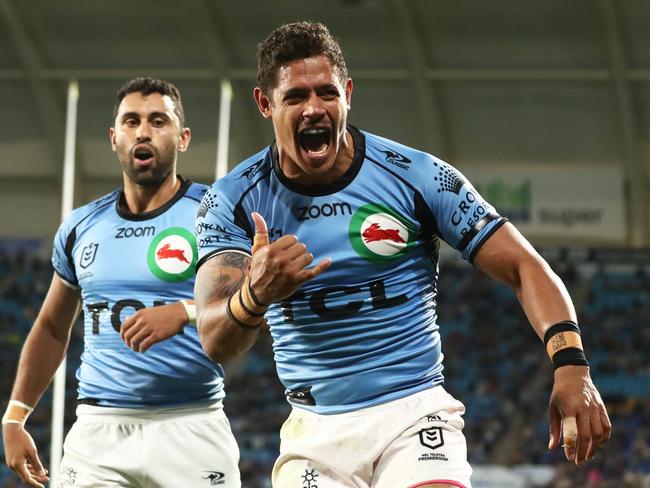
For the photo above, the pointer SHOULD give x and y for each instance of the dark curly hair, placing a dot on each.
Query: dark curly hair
(146, 86)
(290, 42)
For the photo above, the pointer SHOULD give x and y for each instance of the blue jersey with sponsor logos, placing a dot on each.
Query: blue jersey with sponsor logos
(363, 332)
(124, 262)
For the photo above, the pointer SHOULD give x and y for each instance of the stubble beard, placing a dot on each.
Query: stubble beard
(152, 176)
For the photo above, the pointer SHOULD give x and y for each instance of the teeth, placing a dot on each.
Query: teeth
(314, 132)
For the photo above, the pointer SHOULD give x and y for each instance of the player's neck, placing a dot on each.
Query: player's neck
(140, 199)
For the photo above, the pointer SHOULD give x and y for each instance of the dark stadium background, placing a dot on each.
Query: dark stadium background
(544, 105)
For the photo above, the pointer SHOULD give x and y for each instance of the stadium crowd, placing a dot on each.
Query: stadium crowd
(495, 365)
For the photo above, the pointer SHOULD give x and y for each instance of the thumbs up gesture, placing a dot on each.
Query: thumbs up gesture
(261, 238)
(279, 268)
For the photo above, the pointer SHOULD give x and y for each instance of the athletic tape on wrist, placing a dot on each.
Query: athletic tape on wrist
(190, 310)
(247, 309)
(250, 300)
(564, 345)
(238, 314)
(256, 301)
(17, 413)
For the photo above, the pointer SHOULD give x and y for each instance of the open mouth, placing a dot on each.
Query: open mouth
(143, 153)
(315, 140)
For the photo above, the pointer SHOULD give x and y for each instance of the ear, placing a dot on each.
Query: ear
(184, 140)
(263, 102)
(111, 136)
(348, 93)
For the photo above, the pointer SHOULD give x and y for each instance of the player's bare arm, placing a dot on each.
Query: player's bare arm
(575, 406)
(47, 342)
(44, 349)
(510, 259)
(216, 282)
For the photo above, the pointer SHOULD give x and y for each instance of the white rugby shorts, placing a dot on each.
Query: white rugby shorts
(153, 448)
(404, 443)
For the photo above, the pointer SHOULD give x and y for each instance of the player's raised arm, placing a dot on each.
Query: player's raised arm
(233, 291)
(44, 349)
(575, 407)
(217, 280)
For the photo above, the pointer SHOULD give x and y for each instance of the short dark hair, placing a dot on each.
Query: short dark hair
(147, 86)
(290, 42)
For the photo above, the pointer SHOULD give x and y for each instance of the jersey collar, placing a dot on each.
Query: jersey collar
(123, 211)
(346, 178)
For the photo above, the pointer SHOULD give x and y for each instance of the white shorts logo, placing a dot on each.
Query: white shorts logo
(432, 438)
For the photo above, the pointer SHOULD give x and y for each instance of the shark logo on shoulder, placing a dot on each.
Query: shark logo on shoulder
(397, 159)
(250, 172)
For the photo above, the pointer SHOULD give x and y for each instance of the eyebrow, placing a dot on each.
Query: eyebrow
(295, 91)
(321, 88)
(153, 115)
(136, 115)
(129, 115)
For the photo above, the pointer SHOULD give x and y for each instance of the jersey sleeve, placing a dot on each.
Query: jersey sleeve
(221, 224)
(464, 219)
(62, 260)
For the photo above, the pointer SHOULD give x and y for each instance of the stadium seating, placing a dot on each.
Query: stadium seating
(494, 363)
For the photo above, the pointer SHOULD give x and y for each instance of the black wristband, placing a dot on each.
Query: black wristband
(571, 356)
(564, 326)
(232, 317)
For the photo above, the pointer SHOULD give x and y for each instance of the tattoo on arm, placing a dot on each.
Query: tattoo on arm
(233, 259)
(221, 276)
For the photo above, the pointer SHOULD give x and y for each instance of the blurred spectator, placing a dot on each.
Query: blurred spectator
(495, 364)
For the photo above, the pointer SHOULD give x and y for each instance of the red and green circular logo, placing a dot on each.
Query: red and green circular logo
(173, 254)
(379, 234)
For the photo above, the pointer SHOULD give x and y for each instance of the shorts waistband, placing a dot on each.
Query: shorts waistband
(145, 415)
(437, 390)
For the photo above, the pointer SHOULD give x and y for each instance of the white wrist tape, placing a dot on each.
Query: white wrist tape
(190, 310)
(16, 413)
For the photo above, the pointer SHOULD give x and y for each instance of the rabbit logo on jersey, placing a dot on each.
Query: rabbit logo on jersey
(172, 255)
(380, 234)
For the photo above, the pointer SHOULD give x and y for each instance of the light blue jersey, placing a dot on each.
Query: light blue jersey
(122, 263)
(363, 332)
